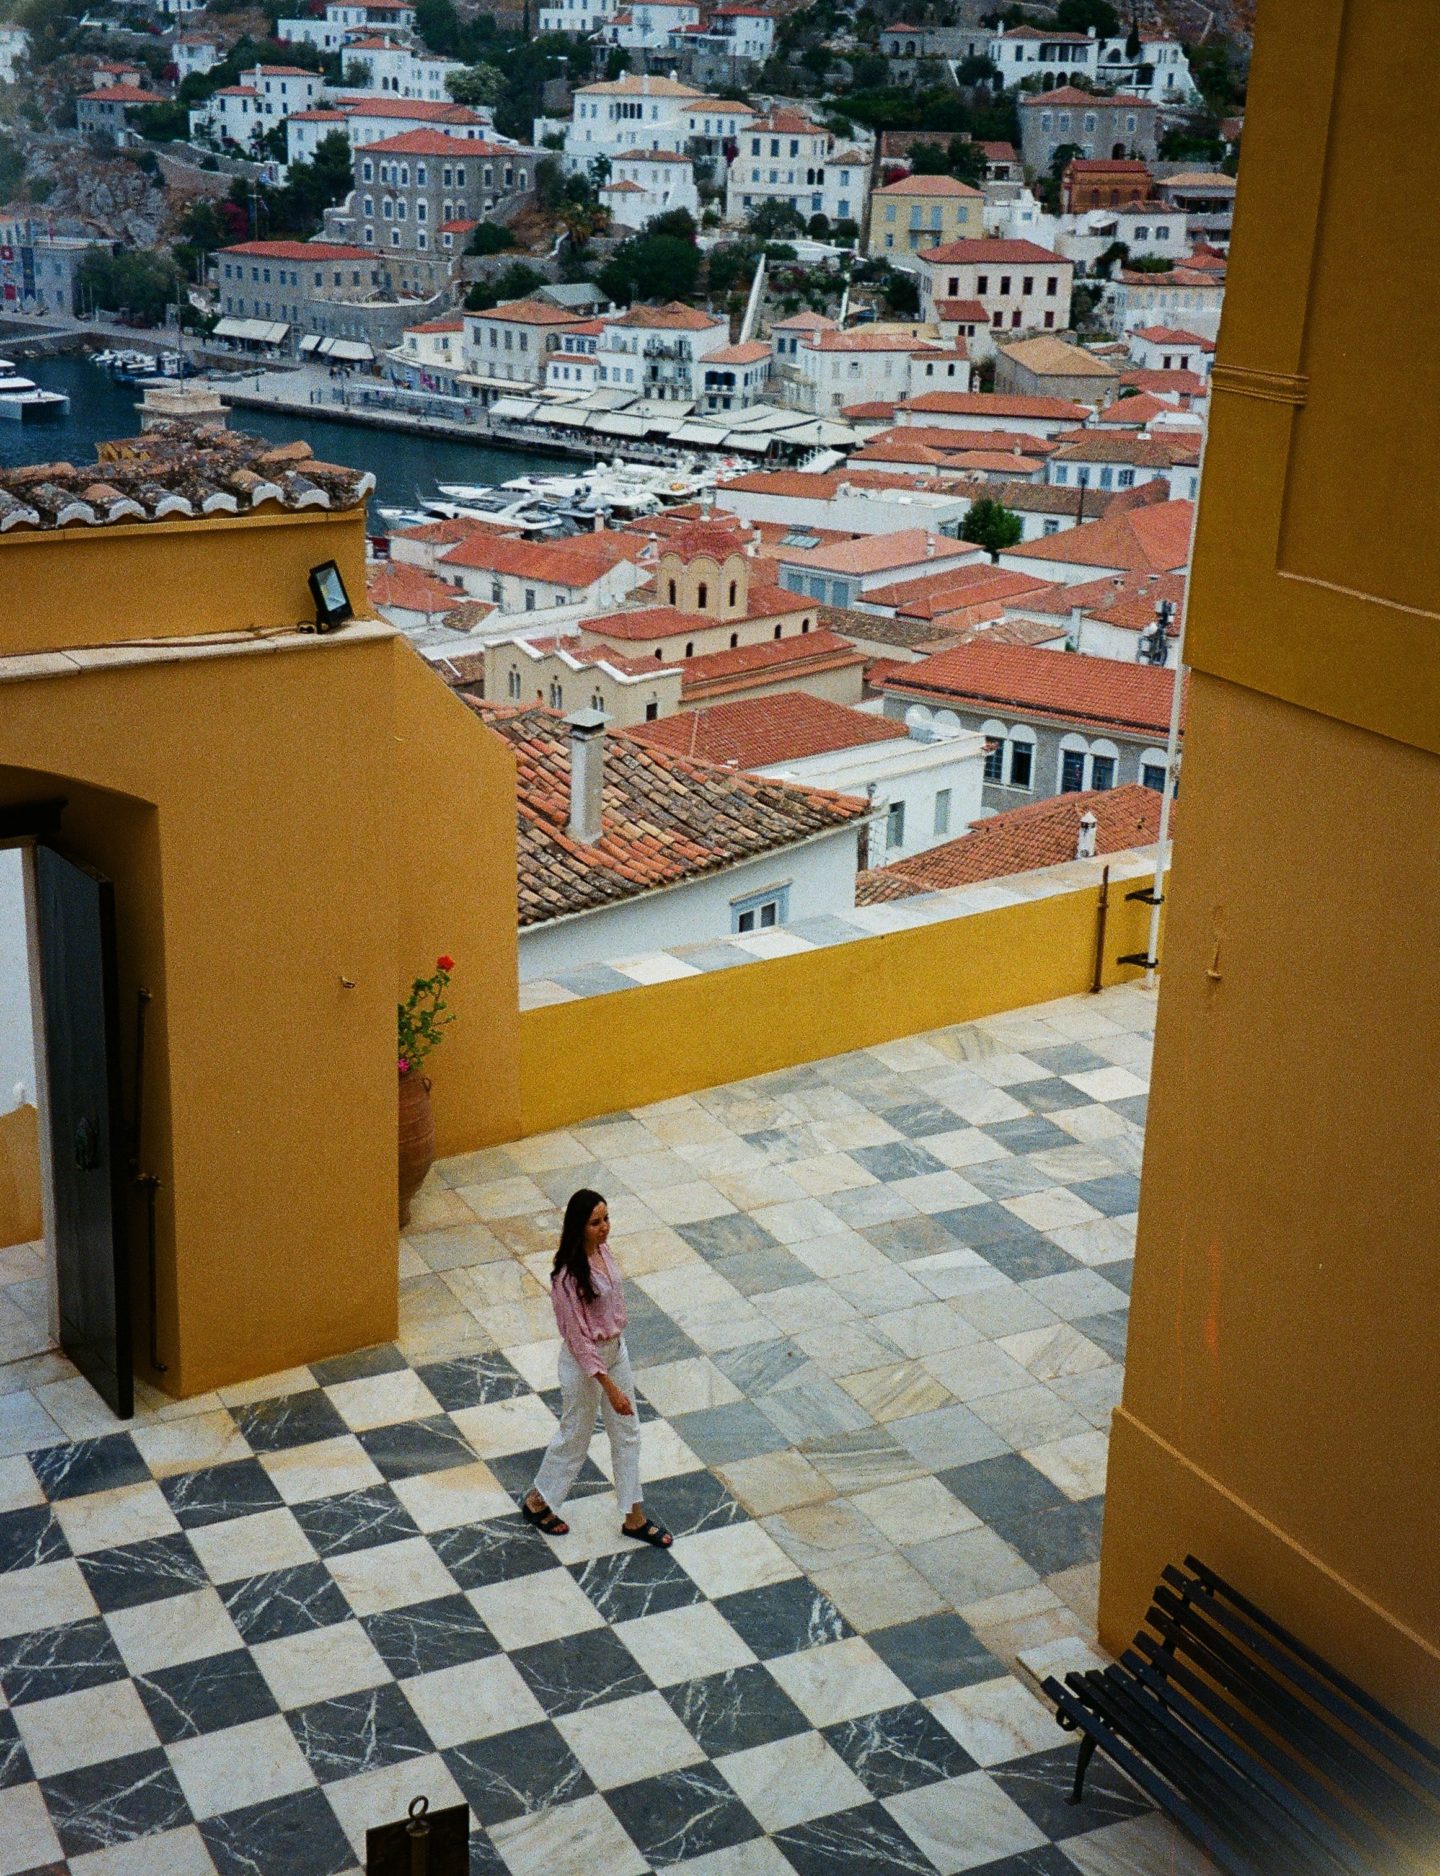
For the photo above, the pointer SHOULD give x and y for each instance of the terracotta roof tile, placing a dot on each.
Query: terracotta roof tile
(990, 251)
(578, 561)
(874, 553)
(996, 405)
(1065, 688)
(666, 818)
(1043, 833)
(1153, 538)
(1072, 94)
(670, 318)
(770, 656)
(1124, 599)
(936, 593)
(755, 732)
(408, 588)
(930, 186)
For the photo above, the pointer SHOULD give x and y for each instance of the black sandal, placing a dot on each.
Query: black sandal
(649, 1533)
(545, 1519)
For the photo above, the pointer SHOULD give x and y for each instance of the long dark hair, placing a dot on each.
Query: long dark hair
(572, 1260)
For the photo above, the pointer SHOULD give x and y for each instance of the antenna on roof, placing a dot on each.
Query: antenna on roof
(1153, 646)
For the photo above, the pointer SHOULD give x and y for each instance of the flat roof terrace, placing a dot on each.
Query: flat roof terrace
(877, 1315)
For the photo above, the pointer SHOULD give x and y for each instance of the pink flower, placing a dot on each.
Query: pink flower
(445, 963)
(404, 1065)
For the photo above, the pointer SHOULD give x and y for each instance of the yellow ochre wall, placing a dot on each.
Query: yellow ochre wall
(603, 1054)
(276, 819)
(20, 1219)
(1281, 1417)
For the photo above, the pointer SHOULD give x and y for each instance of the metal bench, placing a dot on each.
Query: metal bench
(1274, 1761)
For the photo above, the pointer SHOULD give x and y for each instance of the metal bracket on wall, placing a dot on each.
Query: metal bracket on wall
(1142, 958)
(1146, 895)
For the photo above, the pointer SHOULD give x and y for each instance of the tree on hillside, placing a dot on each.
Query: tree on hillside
(901, 293)
(771, 221)
(477, 84)
(990, 525)
(651, 267)
(517, 282)
(491, 237)
(138, 283)
(1078, 16)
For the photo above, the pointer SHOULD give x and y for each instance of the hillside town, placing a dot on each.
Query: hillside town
(877, 442)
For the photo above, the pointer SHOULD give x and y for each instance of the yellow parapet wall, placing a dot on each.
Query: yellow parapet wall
(20, 1217)
(622, 1050)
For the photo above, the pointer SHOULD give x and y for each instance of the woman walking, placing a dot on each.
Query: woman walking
(589, 1300)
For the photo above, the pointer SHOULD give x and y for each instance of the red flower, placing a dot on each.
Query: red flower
(444, 964)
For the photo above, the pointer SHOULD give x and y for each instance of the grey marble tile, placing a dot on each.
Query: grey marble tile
(79, 1467)
(424, 1637)
(1006, 1487)
(865, 1841)
(736, 1709)
(1112, 1196)
(131, 1574)
(358, 1732)
(472, 1381)
(681, 1816)
(518, 1773)
(493, 1550)
(354, 1520)
(284, 1602)
(107, 1804)
(689, 1502)
(726, 1236)
(205, 1696)
(898, 1749)
(635, 1582)
(782, 1618)
(216, 1494)
(296, 1835)
(719, 1435)
(300, 1419)
(900, 1160)
(1041, 1784)
(44, 1663)
(30, 1537)
(580, 1671)
(757, 1368)
(1107, 1330)
(935, 1653)
(1058, 1537)
(810, 1406)
(383, 1358)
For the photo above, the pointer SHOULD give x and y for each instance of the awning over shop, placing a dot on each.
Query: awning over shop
(613, 423)
(346, 351)
(565, 419)
(255, 331)
(822, 436)
(748, 441)
(513, 409)
(707, 433)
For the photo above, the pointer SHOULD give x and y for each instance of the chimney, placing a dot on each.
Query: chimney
(587, 774)
(1085, 841)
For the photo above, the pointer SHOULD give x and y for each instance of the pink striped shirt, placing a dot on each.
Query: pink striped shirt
(584, 1324)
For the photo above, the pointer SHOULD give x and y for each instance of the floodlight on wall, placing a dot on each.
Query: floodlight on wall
(332, 602)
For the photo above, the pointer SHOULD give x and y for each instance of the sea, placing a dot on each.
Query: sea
(403, 465)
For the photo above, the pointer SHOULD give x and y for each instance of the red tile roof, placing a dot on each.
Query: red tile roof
(407, 587)
(1072, 94)
(666, 818)
(578, 561)
(1133, 412)
(426, 113)
(121, 94)
(962, 312)
(937, 593)
(435, 143)
(1153, 538)
(530, 313)
(1043, 833)
(1063, 687)
(301, 251)
(929, 185)
(749, 353)
(1124, 599)
(797, 655)
(987, 250)
(1185, 383)
(670, 318)
(996, 405)
(1173, 335)
(1146, 452)
(756, 732)
(875, 553)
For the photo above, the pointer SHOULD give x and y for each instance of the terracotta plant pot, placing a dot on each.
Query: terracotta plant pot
(417, 1137)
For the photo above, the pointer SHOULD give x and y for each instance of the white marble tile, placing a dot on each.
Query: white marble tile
(27, 1837)
(979, 1368)
(962, 1823)
(739, 1556)
(321, 1469)
(537, 1608)
(178, 1628)
(377, 1797)
(623, 1740)
(689, 1203)
(839, 1681)
(72, 1730)
(438, 1501)
(267, 1540)
(684, 1644)
(379, 1400)
(585, 1835)
(1141, 1846)
(207, 1439)
(242, 1765)
(758, 1856)
(915, 1511)
(171, 1853)
(792, 1780)
(46, 1597)
(929, 1328)
(1076, 1464)
(472, 1701)
(268, 1387)
(507, 1426)
(320, 1664)
(1054, 1354)
(1108, 1084)
(997, 1720)
(19, 1487)
(390, 1576)
(126, 1514)
(682, 1387)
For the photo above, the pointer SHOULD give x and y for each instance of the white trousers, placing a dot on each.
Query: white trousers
(581, 1398)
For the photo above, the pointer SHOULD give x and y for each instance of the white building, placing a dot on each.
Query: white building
(344, 19)
(1023, 287)
(646, 25)
(572, 366)
(1186, 296)
(397, 71)
(739, 32)
(576, 16)
(1171, 348)
(656, 351)
(1160, 70)
(228, 116)
(838, 572)
(646, 183)
(365, 120)
(512, 343)
(736, 376)
(430, 356)
(1032, 52)
(281, 90)
(193, 53)
(786, 157)
(630, 113)
(1145, 231)
(14, 50)
(832, 370)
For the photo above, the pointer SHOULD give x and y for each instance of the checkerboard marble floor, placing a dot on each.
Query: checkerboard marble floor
(877, 1314)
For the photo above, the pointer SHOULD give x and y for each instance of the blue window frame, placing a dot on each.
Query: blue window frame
(760, 911)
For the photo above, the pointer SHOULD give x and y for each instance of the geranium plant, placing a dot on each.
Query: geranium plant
(423, 1015)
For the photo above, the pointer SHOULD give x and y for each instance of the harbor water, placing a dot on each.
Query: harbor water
(401, 464)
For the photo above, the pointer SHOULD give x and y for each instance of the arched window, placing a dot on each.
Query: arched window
(1104, 763)
(1020, 771)
(671, 591)
(702, 595)
(512, 685)
(734, 640)
(657, 651)
(804, 625)
(778, 631)
(557, 696)
(734, 592)
(690, 648)
(1073, 751)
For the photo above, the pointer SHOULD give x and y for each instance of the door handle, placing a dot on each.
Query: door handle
(87, 1144)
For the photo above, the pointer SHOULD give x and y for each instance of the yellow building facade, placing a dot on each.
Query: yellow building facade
(296, 826)
(924, 212)
(1281, 1414)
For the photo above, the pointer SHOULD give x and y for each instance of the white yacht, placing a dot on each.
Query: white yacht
(22, 400)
